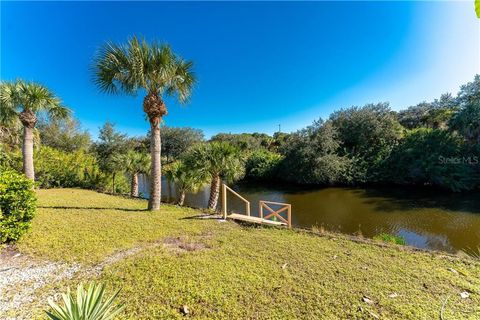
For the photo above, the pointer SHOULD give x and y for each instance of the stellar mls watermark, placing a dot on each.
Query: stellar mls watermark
(471, 160)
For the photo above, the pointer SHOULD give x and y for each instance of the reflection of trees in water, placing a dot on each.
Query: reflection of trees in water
(393, 199)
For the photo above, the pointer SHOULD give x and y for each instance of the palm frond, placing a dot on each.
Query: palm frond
(8, 102)
(138, 64)
(21, 95)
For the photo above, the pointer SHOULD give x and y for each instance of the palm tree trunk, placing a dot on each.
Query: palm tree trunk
(182, 198)
(134, 185)
(156, 174)
(27, 151)
(214, 192)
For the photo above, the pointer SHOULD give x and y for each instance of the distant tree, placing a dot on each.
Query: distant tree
(262, 165)
(110, 149)
(64, 134)
(279, 140)
(11, 134)
(154, 68)
(177, 140)
(134, 163)
(432, 157)
(215, 161)
(242, 141)
(186, 179)
(367, 135)
(311, 156)
(20, 100)
(470, 92)
(435, 115)
(467, 122)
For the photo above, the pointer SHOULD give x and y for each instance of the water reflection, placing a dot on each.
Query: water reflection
(425, 218)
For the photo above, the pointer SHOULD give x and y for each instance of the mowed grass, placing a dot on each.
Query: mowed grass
(227, 271)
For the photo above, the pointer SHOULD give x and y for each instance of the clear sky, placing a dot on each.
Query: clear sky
(259, 64)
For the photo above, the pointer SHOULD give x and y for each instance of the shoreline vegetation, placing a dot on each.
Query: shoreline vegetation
(180, 257)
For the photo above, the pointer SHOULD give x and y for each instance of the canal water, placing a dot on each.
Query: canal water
(426, 218)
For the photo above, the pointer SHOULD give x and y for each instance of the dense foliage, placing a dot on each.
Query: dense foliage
(434, 144)
(176, 141)
(17, 205)
(429, 144)
(262, 165)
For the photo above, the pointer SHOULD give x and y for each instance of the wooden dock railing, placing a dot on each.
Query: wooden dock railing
(272, 217)
(224, 200)
(276, 213)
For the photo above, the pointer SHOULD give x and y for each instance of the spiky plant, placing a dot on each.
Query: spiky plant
(89, 304)
(155, 69)
(23, 101)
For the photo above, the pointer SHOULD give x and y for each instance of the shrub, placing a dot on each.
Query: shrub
(85, 305)
(390, 238)
(262, 165)
(17, 205)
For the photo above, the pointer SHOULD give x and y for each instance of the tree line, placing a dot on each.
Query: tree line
(430, 144)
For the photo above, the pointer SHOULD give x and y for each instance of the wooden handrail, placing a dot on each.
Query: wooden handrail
(224, 200)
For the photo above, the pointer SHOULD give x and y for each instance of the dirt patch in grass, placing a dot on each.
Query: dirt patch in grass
(180, 245)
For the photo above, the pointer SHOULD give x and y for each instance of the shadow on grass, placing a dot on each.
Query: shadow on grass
(203, 217)
(92, 208)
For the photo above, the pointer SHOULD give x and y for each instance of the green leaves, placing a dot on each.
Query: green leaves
(20, 95)
(88, 304)
(477, 8)
(138, 64)
(17, 205)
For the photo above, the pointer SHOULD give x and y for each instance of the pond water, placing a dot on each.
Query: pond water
(426, 218)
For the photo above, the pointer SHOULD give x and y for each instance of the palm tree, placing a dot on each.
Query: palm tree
(159, 72)
(216, 161)
(186, 179)
(135, 163)
(21, 100)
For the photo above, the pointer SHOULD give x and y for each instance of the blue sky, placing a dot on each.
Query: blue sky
(259, 64)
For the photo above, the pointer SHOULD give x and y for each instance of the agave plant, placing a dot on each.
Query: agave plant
(86, 305)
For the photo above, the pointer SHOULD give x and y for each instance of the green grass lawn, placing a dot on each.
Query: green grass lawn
(222, 270)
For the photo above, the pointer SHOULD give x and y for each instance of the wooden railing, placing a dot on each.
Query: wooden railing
(276, 213)
(225, 188)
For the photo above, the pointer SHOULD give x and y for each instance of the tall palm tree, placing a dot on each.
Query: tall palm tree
(134, 164)
(216, 161)
(154, 68)
(21, 100)
(186, 179)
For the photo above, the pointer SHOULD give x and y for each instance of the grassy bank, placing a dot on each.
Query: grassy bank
(227, 271)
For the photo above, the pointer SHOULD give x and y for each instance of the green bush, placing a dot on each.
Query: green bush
(262, 165)
(17, 205)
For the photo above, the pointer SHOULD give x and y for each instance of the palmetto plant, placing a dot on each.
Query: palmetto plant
(157, 71)
(89, 304)
(214, 161)
(186, 179)
(135, 163)
(23, 101)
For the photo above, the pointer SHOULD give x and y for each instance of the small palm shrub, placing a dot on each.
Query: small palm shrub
(87, 304)
(17, 205)
(390, 238)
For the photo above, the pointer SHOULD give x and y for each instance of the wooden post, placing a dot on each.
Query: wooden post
(260, 209)
(224, 201)
(289, 216)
